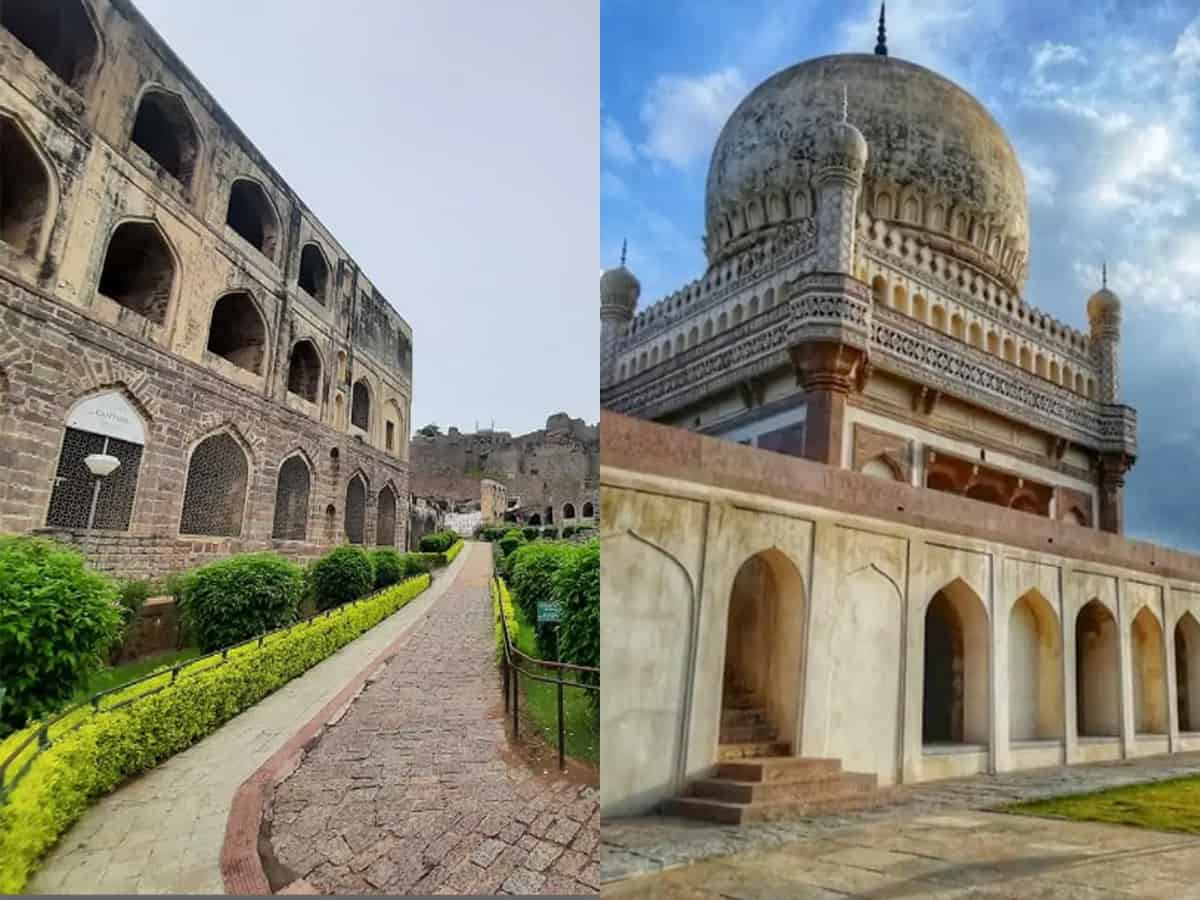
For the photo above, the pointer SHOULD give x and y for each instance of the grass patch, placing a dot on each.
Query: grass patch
(1163, 806)
(110, 677)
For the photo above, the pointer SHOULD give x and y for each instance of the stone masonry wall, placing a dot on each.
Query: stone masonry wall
(52, 355)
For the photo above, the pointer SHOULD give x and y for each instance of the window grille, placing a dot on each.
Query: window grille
(215, 497)
(385, 528)
(82, 500)
(291, 501)
(356, 511)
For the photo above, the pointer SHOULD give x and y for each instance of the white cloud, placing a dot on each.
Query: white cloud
(614, 142)
(1049, 54)
(1187, 47)
(683, 115)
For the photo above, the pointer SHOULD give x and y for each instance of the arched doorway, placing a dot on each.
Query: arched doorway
(1097, 672)
(955, 707)
(1187, 672)
(535, 519)
(1149, 674)
(763, 650)
(1034, 670)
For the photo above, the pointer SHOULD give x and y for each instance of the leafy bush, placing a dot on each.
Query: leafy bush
(341, 575)
(512, 539)
(568, 530)
(577, 591)
(531, 571)
(110, 747)
(438, 542)
(531, 533)
(389, 567)
(56, 618)
(454, 551)
(502, 604)
(234, 599)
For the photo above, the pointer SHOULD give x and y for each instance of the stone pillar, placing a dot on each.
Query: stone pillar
(828, 372)
(1113, 467)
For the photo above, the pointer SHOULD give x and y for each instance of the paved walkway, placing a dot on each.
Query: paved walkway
(636, 847)
(163, 832)
(415, 790)
(968, 854)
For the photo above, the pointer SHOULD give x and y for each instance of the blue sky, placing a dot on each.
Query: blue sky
(1100, 100)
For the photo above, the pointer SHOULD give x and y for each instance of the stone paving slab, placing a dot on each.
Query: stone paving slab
(163, 831)
(639, 846)
(416, 790)
(969, 854)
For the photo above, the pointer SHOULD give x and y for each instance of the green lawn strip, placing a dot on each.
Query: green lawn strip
(582, 730)
(1163, 806)
(111, 677)
(88, 761)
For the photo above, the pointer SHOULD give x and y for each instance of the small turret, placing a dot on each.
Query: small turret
(841, 158)
(1104, 315)
(619, 292)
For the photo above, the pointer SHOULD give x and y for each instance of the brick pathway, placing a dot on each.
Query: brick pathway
(415, 790)
(163, 832)
(636, 847)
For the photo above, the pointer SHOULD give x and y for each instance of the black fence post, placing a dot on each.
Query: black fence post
(516, 690)
(561, 724)
(506, 676)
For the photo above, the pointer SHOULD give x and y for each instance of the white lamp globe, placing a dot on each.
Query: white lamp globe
(101, 464)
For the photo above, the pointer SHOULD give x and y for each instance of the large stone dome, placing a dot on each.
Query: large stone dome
(938, 164)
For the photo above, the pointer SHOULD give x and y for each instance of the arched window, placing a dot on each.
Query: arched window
(214, 499)
(356, 510)
(1149, 674)
(588, 511)
(360, 405)
(304, 371)
(237, 332)
(24, 190)
(164, 129)
(1097, 672)
(1187, 672)
(536, 520)
(291, 500)
(955, 707)
(58, 33)
(139, 270)
(105, 424)
(252, 216)
(1035, 694)
(385, 525)
(314, 272)
(568, 510)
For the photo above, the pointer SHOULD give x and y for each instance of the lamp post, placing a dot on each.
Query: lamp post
(101, 465)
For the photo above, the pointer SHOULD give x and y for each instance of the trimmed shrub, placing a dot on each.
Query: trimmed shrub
(110, 747)
(438, 542)
(389, 567)
(454, 551)
(502, 605)
(531, 533)
(531, 571)
(513, 538)
(234, 599)
(568, 530)
(56, 619)
(577, 591)
(341, 575)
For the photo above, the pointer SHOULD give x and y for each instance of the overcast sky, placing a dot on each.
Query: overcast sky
(1100, 100)
(451, 148)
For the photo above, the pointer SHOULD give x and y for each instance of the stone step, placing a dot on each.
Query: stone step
(756, 732)
(817, 787)
(776, 767)
(751, 750)
(745, 813)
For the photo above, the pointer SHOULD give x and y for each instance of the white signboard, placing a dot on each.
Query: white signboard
(110, 415)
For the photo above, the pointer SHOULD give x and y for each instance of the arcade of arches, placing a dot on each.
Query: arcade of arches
(904, 650)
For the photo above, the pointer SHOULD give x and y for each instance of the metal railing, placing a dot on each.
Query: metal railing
(42, 732)
(518, 663)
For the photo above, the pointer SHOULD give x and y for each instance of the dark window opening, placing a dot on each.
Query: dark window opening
(237, 332)
(391, 436)
(535, 519)
(250, 214)
(588, 511)
(57, 32)
(360, 406)
(385, 526)
(164, 130)
(314, 272)
(215, 496)
(291, 501)
(82, 500)
(304, 371)
(568, 511)
(139, 270)
(356, 510)
(24, 190)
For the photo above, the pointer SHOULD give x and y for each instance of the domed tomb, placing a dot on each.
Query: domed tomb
(938, 166)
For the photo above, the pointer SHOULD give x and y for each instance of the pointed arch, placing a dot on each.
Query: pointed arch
(61, 34)
(313, 277)
(1149, 673)
(385, 518)
(252, 215)
(1097, 672)
(1187, 672)
(356, 508)
(238, 332)
(218, 477)
(304, 371)
(568, 511)
(1035, 687)
(360, 405)
(140, 269)
(588, 511)
(292, 488)
(28, 189)
(956, 706)
(166, 132)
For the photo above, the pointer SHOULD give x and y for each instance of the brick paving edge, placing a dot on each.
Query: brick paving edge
(241, 866)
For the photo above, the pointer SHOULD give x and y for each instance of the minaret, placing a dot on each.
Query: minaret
(619, 292)
(1104, 314)
(841, 159)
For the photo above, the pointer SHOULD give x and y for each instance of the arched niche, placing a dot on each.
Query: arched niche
(1035, 689)
(955, 704)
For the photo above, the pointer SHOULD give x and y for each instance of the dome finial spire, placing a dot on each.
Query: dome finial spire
(1104, 274)
(623, 243)
(845, 103)
(881, 39)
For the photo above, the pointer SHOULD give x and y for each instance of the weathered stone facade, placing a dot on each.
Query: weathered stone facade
(156, 270)
(554, 470)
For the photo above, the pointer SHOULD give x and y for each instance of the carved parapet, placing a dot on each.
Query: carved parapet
(831, 308)
(1118, 430)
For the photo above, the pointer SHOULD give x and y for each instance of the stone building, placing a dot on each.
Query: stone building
(493, 500)
(550, 475)
(885, 526)
(169, 301)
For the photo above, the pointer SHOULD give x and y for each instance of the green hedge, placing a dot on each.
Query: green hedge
(438, 542)
(454, 551)
(531, 571)
(577, 591)
(502, 603)
(341, 575)
(228, 601)
(113, 746)
(389, 567)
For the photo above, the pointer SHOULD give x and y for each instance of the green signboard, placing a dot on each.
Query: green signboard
(547, 612)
